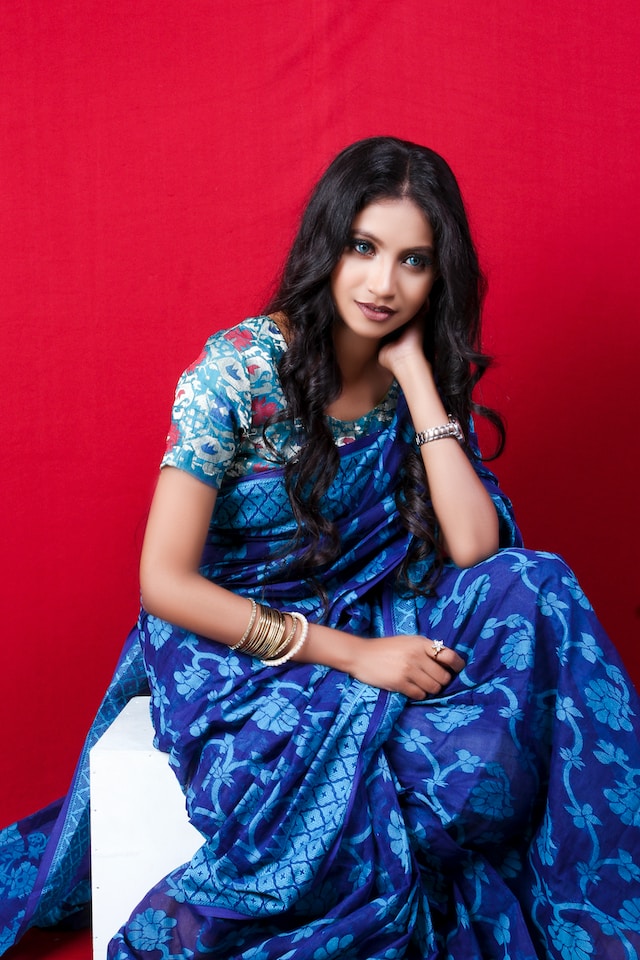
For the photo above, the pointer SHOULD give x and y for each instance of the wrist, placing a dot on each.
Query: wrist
(333, 648)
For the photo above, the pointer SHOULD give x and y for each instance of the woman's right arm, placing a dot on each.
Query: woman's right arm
(174, 590)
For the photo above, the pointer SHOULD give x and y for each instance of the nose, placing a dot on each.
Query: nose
(382, 277)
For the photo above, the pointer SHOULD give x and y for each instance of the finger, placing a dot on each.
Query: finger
(444, 655)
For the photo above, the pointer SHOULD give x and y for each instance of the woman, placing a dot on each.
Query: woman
(400, 733)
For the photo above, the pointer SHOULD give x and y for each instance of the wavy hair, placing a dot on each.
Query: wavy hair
(378, 168)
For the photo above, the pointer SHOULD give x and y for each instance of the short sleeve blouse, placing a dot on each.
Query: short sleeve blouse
(223, 400)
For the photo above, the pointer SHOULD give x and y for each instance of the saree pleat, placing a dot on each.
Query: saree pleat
(498, 820)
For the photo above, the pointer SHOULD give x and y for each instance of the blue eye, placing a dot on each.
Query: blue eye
(417, 262)
(363, 247)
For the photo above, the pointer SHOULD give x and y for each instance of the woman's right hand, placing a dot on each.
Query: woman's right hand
(406, 664)
(403, 664)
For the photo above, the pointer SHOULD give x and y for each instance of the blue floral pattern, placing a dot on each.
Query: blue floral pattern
(499, 819)
(341, 820)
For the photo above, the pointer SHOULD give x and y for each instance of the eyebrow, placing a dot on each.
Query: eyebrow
(371, 236)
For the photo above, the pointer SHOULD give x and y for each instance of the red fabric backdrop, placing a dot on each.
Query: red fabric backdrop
(155, 156)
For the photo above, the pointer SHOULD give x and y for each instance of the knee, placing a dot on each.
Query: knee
(535, 567)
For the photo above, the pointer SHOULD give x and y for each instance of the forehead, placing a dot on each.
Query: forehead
(395, 221)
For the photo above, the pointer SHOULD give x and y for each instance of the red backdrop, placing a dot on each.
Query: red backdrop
(155, 156)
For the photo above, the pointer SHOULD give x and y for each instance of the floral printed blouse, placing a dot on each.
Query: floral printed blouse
(223, 400)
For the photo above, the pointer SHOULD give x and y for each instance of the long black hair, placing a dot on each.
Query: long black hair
(371, 170)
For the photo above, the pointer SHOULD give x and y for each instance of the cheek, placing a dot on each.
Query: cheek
(340, 280)
(421, 291)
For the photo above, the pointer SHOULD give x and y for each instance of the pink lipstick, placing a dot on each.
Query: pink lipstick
(374, 312)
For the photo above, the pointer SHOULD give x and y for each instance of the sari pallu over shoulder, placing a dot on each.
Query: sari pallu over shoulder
(249, 546)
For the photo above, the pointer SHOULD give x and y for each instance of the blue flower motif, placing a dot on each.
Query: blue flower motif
(583, 816)
(511, 866)
(624, 800)
(199, 726)
(22, 880)
(412, 740)
(630, 914)
(511, 712)
(11, 840)
(462, 916)
(159, 697)
(573, 942)
(589, 648)
(438, 611)
(36, 842)
(627, 868)
(501, 931)
(489, 628)
(274, 712)
(522, 564)
(229, 667)
(608, 753)
(159, 631)
(472, 598)
(189, 680)
(492, 797)
(335, 947)
(454, 716)
(398, 836)
(576, 591)
(609, 704)
(517, 650)
(468, 761)
(572, 758)
(151, 929)
(8, 935)
(566, 708)
(551, 603)
(546, 846)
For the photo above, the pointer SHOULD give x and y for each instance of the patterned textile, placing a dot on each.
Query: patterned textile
(341, 821)
(223, 400)
(499, 820)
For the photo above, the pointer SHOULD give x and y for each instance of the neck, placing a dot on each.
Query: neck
(357, 358)
(364, 381)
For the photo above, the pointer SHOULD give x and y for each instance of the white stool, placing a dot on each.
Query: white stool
(139, 826)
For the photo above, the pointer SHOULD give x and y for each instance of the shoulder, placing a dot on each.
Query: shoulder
(236, 365)
(254, 339)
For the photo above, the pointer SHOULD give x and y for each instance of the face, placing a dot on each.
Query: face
(385, 274)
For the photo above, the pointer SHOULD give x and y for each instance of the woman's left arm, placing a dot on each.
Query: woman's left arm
(465, 511)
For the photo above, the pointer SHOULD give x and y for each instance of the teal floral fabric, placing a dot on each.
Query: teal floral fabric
(224, 399)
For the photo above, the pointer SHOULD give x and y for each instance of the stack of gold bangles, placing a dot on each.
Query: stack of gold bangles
(266, 635)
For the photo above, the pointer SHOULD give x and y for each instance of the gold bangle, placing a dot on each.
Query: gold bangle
(278, 661)
(267, 635)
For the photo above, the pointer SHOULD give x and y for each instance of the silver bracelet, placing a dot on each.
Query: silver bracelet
(451, 429)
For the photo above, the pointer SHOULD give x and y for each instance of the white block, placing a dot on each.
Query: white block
(139, 826)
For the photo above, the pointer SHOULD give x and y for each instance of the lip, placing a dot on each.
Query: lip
(375, 312)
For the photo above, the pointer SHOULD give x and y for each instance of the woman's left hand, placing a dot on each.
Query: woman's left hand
(406, 349)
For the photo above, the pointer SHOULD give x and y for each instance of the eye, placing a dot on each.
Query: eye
(417, 261)
(363, 247)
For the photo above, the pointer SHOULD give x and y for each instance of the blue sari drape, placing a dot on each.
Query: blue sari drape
(501, 819)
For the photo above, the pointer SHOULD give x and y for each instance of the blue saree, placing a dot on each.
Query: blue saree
(498, 820)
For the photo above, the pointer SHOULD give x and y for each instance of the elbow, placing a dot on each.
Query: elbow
(469, 556)
(472, 550)
(150, 597)
(155, 591)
